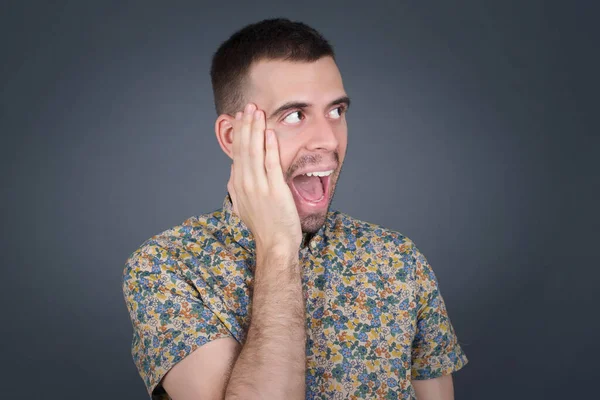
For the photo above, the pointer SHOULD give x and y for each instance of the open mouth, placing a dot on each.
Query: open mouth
(312, 187)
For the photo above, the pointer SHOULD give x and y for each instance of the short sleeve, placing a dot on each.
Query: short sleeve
(169, 318)
(435, 348)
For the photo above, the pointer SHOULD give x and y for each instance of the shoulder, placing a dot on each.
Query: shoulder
(179, 244)
(395, 252)
(345, 228)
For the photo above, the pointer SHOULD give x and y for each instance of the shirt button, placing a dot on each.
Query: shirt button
(313, 245)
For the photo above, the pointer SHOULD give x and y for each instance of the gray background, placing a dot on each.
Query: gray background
(471, 132)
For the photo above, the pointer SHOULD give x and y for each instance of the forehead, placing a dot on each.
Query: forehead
(272, 82)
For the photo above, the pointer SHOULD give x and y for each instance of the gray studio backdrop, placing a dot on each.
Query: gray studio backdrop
(470, 132)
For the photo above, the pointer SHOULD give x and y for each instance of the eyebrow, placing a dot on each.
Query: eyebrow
(298, 104)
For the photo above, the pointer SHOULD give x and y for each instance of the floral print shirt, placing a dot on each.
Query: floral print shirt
(375, 317)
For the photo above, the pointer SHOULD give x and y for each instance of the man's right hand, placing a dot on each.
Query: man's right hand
(259, 193)
(277, 333)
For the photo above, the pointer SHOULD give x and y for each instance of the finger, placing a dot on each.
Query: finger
(235, 138)
(257, 150)
(245, 175)
(237, 123)
(272, 161)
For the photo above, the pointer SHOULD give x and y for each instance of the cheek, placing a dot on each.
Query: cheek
(342, 138)
(286, 138)
(342, 135)
(287, 152)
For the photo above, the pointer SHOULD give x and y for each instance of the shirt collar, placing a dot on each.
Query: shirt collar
(243, 236)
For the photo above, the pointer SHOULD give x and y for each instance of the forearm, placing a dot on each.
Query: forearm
(272, 361)
(441, 388)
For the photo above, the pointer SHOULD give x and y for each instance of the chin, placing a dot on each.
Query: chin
(313, 222)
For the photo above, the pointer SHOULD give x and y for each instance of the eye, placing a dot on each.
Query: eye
(293, 118)
(337, 112)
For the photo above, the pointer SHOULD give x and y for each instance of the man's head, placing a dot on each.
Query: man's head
(288, 70)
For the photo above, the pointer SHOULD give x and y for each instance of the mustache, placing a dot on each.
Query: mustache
(308, 160)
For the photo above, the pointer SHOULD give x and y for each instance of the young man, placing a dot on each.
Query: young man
(274, 296)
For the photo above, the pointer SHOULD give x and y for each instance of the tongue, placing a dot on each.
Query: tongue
(309, 187)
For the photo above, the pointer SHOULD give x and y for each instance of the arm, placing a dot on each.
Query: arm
(440, 388)
(272, 362)
(203, 375)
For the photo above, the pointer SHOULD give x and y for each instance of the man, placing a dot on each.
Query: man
(273, 296)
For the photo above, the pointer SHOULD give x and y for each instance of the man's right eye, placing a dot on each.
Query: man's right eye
(293, 118)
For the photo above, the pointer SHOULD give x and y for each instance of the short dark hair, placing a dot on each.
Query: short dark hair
(270, 39)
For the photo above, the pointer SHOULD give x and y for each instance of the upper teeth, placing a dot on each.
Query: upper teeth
(318, 173)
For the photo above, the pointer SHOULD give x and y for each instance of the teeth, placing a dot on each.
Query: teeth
(319, 173)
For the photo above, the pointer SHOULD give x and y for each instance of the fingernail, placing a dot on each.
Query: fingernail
(238, 115)
(257, 114)
(248, 108)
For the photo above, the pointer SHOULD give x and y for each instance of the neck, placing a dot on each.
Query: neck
(306, 238)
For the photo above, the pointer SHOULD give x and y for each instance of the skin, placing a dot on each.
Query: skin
(268, 148)
(441, 388)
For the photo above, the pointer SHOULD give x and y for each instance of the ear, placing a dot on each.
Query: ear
(224, 132)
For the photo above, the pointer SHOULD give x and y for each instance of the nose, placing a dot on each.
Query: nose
(322, 135)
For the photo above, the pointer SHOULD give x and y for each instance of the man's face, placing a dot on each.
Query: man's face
(305, 105)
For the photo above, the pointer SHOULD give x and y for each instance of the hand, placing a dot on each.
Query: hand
(259, 193)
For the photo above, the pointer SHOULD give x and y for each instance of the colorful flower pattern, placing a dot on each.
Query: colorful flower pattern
(375, 317)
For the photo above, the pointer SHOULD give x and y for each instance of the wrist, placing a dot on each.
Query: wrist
(278, 258)
(279, 249)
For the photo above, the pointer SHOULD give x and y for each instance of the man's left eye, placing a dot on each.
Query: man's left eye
(336, 112)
